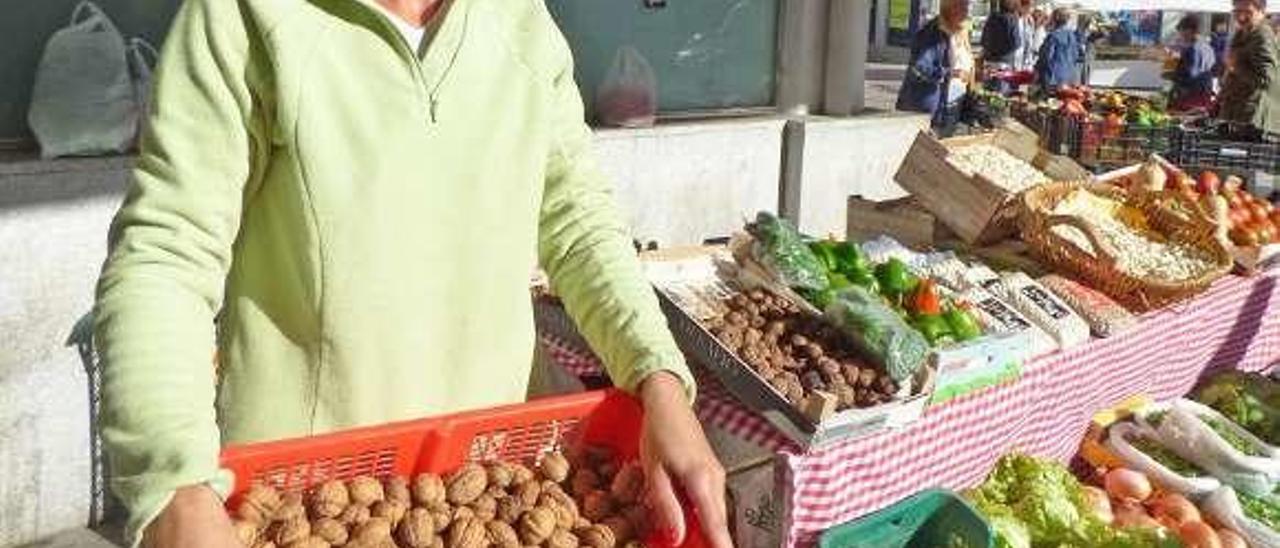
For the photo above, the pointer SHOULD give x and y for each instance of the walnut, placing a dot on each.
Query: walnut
(581, 523)
(620, 527)
(309, 542)
(528, 493)
(584, 481)
(597, 505)
(391, 510)
(246, 531)
(520, 474)
(397, 489)
(485, 507)
(634, 544)
(554, 467)
(289, 531)
(500, 474)
(596, 536)
(259, 504)
(495, 492)
(466, 484)
(562, 539)
(502, 535)
(329, 499)
(427, 489)
(365, 490)
(562, 507)
(330, 530)
(536, 526)
(290, 509)
(442, 513)
(467, 533)
(375, 532)
(354, 515)
(417, 529)
(628, 485)
(508, 508)
(462, 512)
(263, 543)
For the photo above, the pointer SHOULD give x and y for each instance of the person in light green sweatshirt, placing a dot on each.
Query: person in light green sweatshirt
(358, 189)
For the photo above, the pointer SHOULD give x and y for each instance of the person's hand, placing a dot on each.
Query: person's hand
(194, 518)
(677, 459)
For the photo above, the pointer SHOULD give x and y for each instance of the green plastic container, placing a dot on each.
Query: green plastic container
(935, 518)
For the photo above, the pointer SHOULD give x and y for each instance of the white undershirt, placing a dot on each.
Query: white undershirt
(412, 34)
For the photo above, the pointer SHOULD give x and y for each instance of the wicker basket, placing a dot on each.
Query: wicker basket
(1098, 266)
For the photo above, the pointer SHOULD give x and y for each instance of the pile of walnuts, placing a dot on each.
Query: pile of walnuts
(798, 353)
(593, 503)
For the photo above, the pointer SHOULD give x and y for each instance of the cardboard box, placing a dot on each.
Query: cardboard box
(977, 209)
(904, 219)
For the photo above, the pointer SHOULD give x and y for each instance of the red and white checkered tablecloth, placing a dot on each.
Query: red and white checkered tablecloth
(1046, 412)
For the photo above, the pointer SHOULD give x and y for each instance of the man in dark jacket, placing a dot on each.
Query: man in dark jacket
(1250, 97)
(924, 86)
(1001, 43)
(1059, 55)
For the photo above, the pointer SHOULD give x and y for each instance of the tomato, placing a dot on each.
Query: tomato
(1238, 217)
(1235, 200)
(1243, 237)
(1266, 233)
(1208, 183)
(1275, 217)
(1259, 213)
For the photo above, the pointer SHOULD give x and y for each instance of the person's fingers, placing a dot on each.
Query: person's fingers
(705, 489)
(664, 506)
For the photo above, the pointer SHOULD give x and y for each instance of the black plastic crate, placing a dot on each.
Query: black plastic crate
(1210, 148)
(1102, 145)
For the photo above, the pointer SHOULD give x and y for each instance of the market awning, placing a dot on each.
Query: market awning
(1215, 6)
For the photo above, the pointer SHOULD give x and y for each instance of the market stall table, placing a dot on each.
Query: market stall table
(1236, 323)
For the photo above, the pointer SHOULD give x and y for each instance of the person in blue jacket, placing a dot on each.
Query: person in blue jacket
(1193, 77)
(1056, 66)
(928, 76)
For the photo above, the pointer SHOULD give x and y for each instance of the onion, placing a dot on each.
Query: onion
(1098, 503)
(1131, 514)
(1125, 484)
(1173, 509)
(1197, 534)
(1231, 539)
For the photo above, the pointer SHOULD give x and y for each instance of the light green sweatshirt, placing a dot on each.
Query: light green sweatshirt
(364, 218)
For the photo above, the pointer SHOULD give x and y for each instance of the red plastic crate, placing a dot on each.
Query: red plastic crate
(515, 433)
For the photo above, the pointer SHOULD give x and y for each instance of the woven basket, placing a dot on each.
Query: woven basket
(1098, 266)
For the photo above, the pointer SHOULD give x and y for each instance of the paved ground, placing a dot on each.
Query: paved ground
(883, 81)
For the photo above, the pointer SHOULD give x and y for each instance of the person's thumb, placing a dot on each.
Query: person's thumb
(664, 508)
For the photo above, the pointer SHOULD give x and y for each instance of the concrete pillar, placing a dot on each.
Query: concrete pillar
(847, 43)
(802, 45)
(882, 23)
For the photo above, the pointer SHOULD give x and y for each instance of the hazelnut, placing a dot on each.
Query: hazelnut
(628, 485)
(508, 509)
(289, 531)
(467, 533)
(259, 504)
(391, 510)
(397, 489)
(536, 526)
(584, 481)
(330, 530)
(417, 529)
(354, 515)
(596, 536)
(619, 526)
(290, 509)
(502, 535)
(329, 499)
(597, 506)
(427, 489)
(521, 473)
(485, 507)
(554, 467)
(562, 539)
(365, 490)
(466, 484)
(500, 474)
(374, 532)
(246, 531)
(528, 493)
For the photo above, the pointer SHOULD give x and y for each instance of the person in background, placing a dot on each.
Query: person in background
(926, 86)
(1024, 59)
(1250, 99)
(1088, 33)
(1218, 40)
(1038, 34)
(1193, 77)
(1060, 53)
(1000, 43)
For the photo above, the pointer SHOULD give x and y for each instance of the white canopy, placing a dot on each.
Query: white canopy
(1214, 6)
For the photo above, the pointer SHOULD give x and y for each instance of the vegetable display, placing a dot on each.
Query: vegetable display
(1262, 509)
(879, 332)
(1247, 399)
(1165, 457)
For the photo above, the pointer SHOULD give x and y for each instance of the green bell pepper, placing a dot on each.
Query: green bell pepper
(933, 327)
(962, 324)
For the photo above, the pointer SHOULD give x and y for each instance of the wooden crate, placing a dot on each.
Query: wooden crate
(904, 219)
(975, 208)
